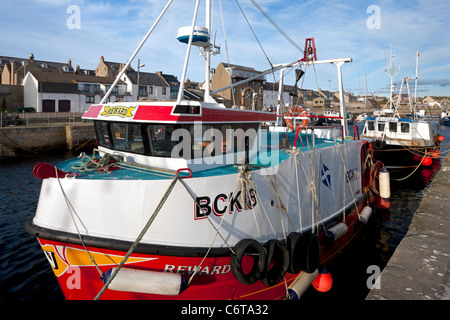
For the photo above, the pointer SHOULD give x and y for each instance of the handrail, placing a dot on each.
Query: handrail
(355, 129)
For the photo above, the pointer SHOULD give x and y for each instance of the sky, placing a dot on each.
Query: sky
(366, 31)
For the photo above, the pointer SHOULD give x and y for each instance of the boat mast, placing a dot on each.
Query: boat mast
(280, 105)
(342, 108)
(417, 69)
(208, 49)
(391, 74)
(188, 52)
(119, 76)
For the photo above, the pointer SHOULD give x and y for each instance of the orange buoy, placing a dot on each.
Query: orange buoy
(426, 161)
(383, 203)
(435, 154)
(440, 138)
(324, 281)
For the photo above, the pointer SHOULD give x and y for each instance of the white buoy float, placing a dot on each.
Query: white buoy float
(384, 201)
(337, 231)
(301, 284)
(144, 281)
(365, 214)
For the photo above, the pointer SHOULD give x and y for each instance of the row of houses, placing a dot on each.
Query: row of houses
(59, 87)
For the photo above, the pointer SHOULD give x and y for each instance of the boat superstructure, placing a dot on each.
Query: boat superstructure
(192, 200)
(400, 142)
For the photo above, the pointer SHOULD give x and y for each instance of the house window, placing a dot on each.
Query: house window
(142, 91)
(90, 99)
(115, 90)
(164, 91)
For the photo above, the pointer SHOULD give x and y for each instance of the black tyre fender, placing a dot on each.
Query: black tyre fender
(304, 252)
(258, 253)
(379, 144)
(278, 256)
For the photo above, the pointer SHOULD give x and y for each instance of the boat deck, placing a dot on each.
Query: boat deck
(130, 171)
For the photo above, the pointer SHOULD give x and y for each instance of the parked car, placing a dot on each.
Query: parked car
(27, 109)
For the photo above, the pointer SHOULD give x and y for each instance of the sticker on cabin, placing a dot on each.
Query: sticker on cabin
(119, 111)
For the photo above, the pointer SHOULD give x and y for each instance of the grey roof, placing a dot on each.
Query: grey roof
(170, 79)
(235, 66)
(59, 77)
(48, 64)
(147, 78)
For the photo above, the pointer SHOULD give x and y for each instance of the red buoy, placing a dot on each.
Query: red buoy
(440, 138)
(435, 154)
(324, 281)
(426, 161)
(382, 203)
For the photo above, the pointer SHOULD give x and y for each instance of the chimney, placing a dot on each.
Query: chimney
(70, 62)
(32, 57)
(102, 59)
(159, 73)
(13, 71)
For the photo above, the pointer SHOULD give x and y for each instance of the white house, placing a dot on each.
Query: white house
(47, 91)
(151, 86)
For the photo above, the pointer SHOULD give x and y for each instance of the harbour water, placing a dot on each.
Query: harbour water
(25, 273)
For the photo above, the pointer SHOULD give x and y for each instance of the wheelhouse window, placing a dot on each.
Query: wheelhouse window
(160, 137)
(188, 141)
(103, 134)
(371, 125)
(404, 127)
(381, 126)
(392, 126)
(127, 137)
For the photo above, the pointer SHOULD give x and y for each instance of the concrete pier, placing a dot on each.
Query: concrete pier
(16, 141)
(420, 266)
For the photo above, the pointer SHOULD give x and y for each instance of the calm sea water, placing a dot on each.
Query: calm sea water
(25, 273)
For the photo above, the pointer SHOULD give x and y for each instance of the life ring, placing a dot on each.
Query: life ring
(295, 112)
(379, 144)
(304, 252)
(258, 253)
(277, 262)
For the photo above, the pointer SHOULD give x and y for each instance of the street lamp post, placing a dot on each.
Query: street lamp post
(139, 66)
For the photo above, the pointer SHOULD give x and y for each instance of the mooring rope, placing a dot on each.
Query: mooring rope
(141, 235)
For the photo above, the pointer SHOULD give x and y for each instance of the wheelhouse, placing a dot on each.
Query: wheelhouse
(192, 135)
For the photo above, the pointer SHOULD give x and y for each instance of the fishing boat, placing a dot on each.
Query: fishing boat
(445, 118)
(193, 200)
(401, 142)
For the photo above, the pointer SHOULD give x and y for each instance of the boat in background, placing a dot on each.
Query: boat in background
(445, 118)
(192, 200)
(400, 142)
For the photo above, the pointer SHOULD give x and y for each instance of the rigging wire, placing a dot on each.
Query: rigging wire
(256, 37)
(277, 26)
(226, 48)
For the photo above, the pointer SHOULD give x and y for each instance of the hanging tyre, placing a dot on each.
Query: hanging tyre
(304, 252)
(248, 248)
(277, 262)
(379, 144)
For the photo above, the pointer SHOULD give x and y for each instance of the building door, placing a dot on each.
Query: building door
(64, 106)
(48, 105)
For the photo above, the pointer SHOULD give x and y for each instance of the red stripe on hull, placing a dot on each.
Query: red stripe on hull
(80, 280)
(164, 114)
